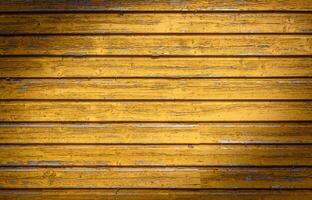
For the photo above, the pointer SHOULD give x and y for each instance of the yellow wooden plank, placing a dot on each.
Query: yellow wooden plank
(155, 111)
(157, 45)
(146, 89)
(155, 155)
(156, 23)
(154, 194)
(164, 177)
(155, 133)
(159, 5)
(151, 67)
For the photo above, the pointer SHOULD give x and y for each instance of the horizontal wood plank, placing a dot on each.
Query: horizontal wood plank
(154, 111)
(159, 5)
(150, 67)
(155, 133)
(154, 194)
(164, 177)
(156, 155)
(155, 23)
(151, 89)
(159, 45)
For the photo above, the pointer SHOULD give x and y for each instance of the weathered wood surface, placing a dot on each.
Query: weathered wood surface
(154, 194)
(157, 89)
(155, 23)
(154, 67)
(159, 45)
(156, 155)
(159, 177)
(159, 5)
(165, 99)
(155, 111)
(156, 133)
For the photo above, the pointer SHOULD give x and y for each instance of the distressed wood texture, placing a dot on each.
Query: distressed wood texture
(156, 23)
(158, 45)
(156, 155)
(156, 99)
(54, 67)
(154, 194)
(155, 111)
(157, 89)
(156, 133)
(159, 5)
(159, 177)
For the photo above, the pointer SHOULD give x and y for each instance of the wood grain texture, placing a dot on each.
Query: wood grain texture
(154, 194)
(158, 45)
(156, 155)
(152, 67)
(151, 89)
(159, 5)
(155, 111)
(166, 99)
(164, 177)
(155, 133)
(155, 23)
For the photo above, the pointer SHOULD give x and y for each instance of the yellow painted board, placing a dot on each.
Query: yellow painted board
(159, 177)
(103, 23)
(156, 155)
(159, 45)
(155, 133)
(157, 89)
(161, 111)
(154, 67)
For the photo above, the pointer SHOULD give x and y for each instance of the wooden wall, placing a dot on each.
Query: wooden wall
(180, 99)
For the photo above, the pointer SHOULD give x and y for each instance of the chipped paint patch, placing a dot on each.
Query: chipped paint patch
(278, 187)
(48, 163)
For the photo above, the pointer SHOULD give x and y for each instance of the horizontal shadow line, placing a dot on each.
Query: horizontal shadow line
(134, 11)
